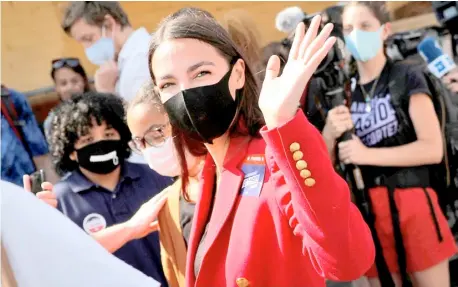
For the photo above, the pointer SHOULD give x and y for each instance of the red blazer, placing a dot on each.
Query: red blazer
(293, 227)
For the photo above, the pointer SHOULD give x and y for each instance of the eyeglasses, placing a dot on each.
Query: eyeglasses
(154, 136)
(70, 62)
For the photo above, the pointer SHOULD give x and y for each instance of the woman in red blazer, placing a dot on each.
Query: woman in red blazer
(272, 211)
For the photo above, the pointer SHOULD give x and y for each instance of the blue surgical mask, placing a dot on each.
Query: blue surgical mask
(364, 45)
(101, 51)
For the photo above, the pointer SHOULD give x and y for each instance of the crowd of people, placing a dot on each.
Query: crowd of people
(200, 158)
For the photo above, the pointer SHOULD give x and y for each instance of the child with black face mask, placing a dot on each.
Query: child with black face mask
(102, 192)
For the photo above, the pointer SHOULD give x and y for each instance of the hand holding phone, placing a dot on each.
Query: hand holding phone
(37, 179)
(45, 189)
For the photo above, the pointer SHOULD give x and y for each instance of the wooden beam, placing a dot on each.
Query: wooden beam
(413, 23)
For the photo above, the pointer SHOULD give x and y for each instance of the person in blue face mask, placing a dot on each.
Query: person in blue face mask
(110, 42)
(393, 146)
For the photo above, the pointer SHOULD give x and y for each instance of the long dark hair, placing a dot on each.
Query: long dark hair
(194, 23)
(243, 31)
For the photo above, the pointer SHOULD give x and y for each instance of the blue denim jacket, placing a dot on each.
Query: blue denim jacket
(15, 159)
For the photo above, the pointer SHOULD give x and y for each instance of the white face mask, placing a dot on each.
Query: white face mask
(164, 159)
(101, 51)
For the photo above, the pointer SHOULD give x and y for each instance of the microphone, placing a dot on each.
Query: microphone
(288, 19)
(439, 64)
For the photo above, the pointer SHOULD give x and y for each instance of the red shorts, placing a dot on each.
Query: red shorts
(423, 248)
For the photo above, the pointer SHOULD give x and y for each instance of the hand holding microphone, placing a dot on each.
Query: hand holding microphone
(338, 121)
(451, 80)
(439, 64)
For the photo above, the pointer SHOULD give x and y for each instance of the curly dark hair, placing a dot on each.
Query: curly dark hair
(73, 119)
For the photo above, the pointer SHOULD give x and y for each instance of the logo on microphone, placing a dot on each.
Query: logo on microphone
(441, 66)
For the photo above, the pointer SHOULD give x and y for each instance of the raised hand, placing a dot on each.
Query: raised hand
(280, 95)
(106, 76)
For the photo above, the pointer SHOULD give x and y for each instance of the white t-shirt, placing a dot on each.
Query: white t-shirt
(133, 69)
(133, 64)
(46, 249)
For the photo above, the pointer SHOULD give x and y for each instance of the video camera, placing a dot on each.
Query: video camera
(447, 15)
(329, 15)
(403, 45)
(330, 76)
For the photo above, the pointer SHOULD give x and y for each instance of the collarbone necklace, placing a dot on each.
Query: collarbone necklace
(369, 96)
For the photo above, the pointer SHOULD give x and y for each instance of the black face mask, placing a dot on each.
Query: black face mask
(203, 113)
(101, 157)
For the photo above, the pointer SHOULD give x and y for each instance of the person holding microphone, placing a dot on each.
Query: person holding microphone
(268, 190)
(394, 143)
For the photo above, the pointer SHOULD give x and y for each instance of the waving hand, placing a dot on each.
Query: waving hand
(280, 94)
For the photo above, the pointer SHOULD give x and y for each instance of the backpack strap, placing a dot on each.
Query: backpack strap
(10, 121)
(364, 204)
(397, 86)
(445, 175)
(11, 115)
(398, 90)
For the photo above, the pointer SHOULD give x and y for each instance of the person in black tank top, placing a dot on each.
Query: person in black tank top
(393, 156)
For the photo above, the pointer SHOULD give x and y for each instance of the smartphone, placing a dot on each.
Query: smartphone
(37, 178)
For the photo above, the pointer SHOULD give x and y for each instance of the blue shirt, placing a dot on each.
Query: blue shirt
(94, 208)
(15, 160)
